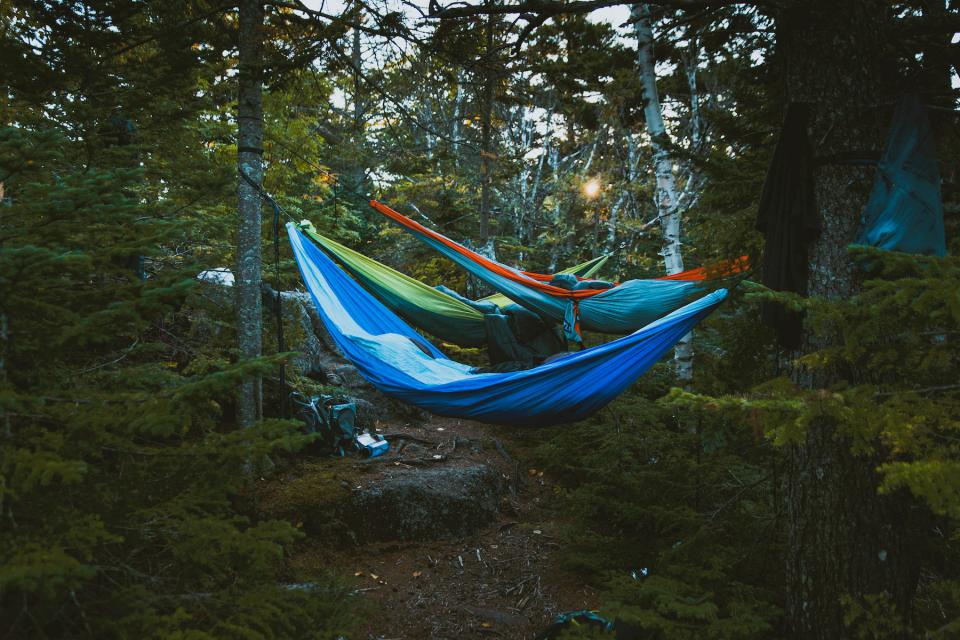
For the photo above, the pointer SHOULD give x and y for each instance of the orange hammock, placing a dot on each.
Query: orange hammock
(721, 269)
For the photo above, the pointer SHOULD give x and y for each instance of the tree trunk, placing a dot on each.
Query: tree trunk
(533, 200)
(553, 159)
(844, 541)
(356, 57)
(357, 175)
(690, 70)
(486, 152)
(667, 193)
(626, 198)
(426, 117)
(612, 222)
(693, 185)
(457, 117)
(250, 162)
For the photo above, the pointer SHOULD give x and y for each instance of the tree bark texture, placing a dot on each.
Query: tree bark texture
(250, 163)
(356, 172)
(486, 152)
(845, 541)
(456, 125)
(667, 194)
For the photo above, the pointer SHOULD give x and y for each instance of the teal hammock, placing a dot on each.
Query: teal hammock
(618, 310)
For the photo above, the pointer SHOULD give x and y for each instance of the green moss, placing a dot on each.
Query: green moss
(313, 496)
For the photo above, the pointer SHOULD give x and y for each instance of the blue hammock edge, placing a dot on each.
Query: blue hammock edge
(399, 362)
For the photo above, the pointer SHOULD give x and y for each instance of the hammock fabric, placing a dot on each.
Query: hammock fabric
(449, 318)
(905, 211)
(722, 269)
(618, 310)
(582, 271)
(399, 362)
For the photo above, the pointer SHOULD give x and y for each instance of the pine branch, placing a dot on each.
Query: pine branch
(166, 32)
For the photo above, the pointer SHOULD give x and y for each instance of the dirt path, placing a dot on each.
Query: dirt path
(503, 580)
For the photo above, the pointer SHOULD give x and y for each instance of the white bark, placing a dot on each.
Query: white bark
(426, 115)
(457, 117)
(553, 159)
(667, 194)
(696, 121)
(521, 200)
(593, 150)
(612, 224)
(625, 201)
(693, 186)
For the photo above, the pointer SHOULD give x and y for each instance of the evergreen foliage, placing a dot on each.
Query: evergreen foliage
(128, 496)
(123, 482)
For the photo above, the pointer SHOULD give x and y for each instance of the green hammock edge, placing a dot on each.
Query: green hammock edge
(378, 276)
(433, 311)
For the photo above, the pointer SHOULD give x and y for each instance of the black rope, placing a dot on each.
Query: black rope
(278, 302)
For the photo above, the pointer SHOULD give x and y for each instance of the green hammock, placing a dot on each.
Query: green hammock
(435, 312)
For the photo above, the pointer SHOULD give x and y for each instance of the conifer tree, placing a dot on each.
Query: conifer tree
(830, 476)
(122, 492)
(250, 167)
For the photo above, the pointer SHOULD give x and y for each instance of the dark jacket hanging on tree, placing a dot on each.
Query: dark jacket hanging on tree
(788, 220)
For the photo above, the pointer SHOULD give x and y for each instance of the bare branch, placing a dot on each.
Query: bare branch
(547, 8)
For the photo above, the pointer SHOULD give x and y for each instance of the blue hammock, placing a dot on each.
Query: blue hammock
(399, 362)
(905, 211)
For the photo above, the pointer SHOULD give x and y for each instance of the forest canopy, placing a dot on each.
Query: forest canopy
(790, 469)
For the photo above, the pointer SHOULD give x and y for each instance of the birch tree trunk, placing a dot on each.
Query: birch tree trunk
(667, 194)
(457, 117)
(426, 115)
(553, 159)
(612, 223)
(626, 197)
(250, 162)
(533, 200)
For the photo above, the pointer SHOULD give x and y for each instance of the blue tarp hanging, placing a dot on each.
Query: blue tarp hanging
(399, 362)
(905, 211)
